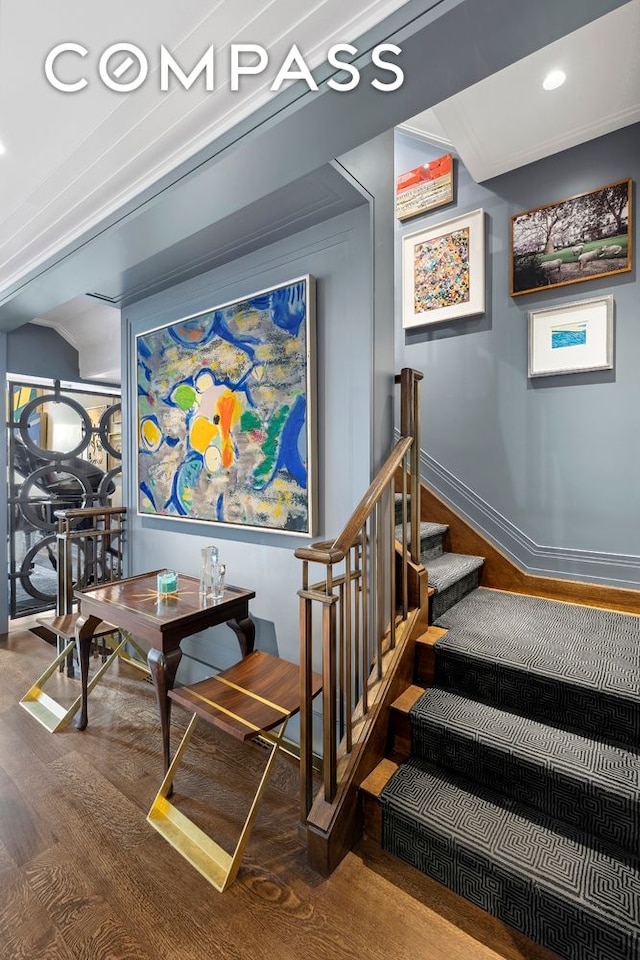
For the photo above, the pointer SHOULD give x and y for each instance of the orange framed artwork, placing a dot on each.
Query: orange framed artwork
(425, 187)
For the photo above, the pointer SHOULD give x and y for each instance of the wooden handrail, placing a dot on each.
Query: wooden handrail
(373, 495)
(416, 375)
(330, 552)
(88, 512)
(97, 546)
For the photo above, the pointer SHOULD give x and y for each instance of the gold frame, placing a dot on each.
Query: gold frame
(569, 256)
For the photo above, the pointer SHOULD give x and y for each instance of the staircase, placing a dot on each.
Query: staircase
(451, 575)
(515, 776)
(512, 773)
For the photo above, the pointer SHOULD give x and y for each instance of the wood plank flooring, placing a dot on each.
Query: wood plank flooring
(84, 877)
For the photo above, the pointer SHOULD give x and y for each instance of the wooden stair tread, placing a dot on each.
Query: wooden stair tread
(257, 693)
(406, 700)
(65, 626)
(430, 636)
(374, 784)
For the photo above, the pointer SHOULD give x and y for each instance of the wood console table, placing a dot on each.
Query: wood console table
(134, 606)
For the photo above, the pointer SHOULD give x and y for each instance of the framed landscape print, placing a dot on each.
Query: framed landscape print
(226, 413)
(572, 338)
(443, 271)
(582, 238)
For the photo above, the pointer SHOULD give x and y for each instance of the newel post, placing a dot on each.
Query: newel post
(410, 427)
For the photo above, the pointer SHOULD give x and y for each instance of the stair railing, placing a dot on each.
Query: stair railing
(359, 603)
(90, 550)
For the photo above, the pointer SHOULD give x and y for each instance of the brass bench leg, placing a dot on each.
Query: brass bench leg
(47, 711)
(140, 664)
(201, 851)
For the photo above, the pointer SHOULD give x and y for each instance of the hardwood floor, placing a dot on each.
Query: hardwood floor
(84, 877)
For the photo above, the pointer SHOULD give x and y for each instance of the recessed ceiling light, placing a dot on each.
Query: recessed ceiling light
(2, 148)
(554, 79)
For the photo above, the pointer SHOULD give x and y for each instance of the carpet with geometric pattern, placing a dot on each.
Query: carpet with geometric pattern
(522, 793)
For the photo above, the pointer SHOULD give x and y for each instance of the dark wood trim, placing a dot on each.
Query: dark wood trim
(500, 573)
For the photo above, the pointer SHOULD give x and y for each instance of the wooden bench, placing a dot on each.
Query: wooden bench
(39, 704)
(247, 701)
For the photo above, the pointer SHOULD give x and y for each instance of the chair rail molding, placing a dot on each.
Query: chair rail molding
(568, 563)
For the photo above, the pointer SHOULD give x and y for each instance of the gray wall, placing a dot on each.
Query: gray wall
(371, 168)
(549, 468)
(37, 351)
(337, 253)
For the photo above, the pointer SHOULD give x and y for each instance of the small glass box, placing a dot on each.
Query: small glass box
(167, 583)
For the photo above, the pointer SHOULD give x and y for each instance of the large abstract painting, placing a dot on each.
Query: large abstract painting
(226, 413)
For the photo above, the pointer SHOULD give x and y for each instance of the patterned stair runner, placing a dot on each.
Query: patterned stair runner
(523, 794)
(451, 575)
(593, 786)
(575, 899)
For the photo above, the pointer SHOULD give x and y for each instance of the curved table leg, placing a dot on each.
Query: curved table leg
(163, 669)
(85, 627)
(245, 630)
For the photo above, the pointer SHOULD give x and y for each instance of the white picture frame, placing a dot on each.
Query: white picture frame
(572, 337)
(443, 271)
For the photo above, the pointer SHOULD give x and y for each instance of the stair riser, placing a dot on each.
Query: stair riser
(447, 598)
(588, 807)
(401, 738)
(431, 547)
(560, 925)
(591, 713)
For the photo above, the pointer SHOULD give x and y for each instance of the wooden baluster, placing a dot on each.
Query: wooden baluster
(365, 620)
(415, 473)
(342, 714)
(392, 564)
(306, 713)
(120, 550)
(107, 559)
(329, 698)
(348, 664)
(379, 588)
(60, 580)
(405, 555)
(68, 568)
(357, 586)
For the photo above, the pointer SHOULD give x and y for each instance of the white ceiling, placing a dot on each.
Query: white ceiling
(508, 120)
(93, 328)
(72, 160)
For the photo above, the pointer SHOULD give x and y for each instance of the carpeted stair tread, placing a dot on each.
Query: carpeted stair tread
(597, 648)
(591, 785)
(449, 568)
(580, 901)
(427, 530)
(576, 667)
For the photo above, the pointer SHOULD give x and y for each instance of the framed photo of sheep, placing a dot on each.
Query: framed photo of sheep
(582, 238)
(443, 271)
(571, 338)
